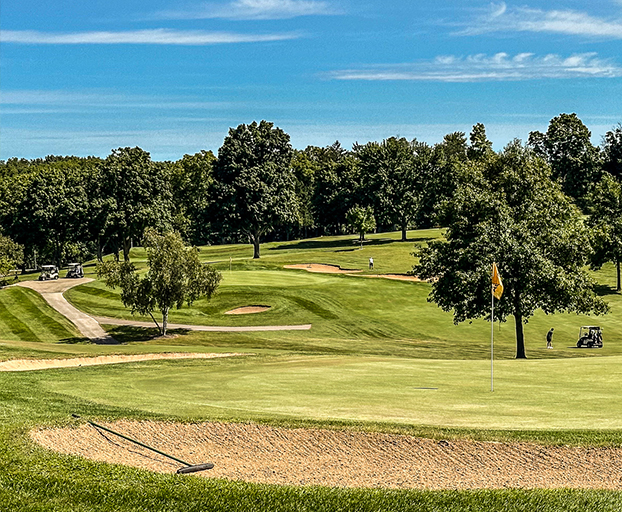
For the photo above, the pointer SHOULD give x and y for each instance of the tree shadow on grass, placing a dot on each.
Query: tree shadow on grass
(75, 341)
(337, 244)
(133, 334)
(603, 290)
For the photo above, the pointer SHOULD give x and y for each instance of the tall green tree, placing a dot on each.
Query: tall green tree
(11, 256)
(255, 181)
(133, 194)
(337, 186)
(567, 147)
(175, 275)
(440, 166)
(361, 220)
(508, 210)
(605, 207)
(612, 152)
(391, 178)
(192, 183)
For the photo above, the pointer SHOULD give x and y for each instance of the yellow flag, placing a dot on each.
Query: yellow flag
(497, 285)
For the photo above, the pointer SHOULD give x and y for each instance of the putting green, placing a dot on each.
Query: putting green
(532, 394)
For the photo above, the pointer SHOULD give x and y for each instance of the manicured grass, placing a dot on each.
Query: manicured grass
(571, 394)
(25, 316)
(353, 314)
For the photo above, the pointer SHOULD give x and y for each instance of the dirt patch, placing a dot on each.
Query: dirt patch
(322, 268)
(257, 453)
(22, 365)
(247, 310)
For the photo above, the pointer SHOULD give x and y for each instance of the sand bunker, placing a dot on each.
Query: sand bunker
(335, 269)
(22, 365)
(322, 268)
(247, 310)
(258, 453)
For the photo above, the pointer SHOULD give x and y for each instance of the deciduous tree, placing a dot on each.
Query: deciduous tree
(361, 220)
(255, 182)
(567, 147)
(176, 275)
(605, 206)
(508, 210)
(391, 178)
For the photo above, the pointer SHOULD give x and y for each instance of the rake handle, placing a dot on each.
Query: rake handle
(135, 441)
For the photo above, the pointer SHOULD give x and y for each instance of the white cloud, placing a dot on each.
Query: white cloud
(254, 10)
(485, 68)
(501, 18)
(159, 36)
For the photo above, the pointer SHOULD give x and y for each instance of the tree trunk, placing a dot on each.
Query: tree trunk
(619, 285)
(164, 321)
(255, 237)
(520, 339)
(100, 251)
(127, 245)
(404, 237)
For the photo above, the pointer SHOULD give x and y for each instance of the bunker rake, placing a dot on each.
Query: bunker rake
(189, 468)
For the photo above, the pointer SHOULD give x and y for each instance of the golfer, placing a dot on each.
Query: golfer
(371, 263)
(549, 338)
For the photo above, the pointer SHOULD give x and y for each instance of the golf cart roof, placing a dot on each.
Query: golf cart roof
(48, 267)
(72, 264)
(590, 327)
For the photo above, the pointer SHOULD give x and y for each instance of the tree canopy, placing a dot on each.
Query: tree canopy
(256, 183)
(507, 210)
(176, 275)
(605, 206)
(567, 147)
(391, 176)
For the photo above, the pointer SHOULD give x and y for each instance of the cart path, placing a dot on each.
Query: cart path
(52, 292)
(342, 458)
(24, 365)
(89, 326)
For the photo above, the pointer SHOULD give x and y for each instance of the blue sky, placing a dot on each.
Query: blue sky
(171, 77)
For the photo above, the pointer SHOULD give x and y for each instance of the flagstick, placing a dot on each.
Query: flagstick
(492, 334)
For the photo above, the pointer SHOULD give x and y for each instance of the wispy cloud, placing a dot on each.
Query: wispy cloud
(89, 101)
(159, 36)
(485, 68)
(254, 10)
(501, 18)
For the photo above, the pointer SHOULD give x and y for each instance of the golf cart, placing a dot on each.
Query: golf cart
(75, 270)
(48, 272)
(590, 337)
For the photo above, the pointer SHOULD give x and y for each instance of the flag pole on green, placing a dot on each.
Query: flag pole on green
(497, 291)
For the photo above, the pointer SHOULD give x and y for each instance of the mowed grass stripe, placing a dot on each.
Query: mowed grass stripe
(24, 315)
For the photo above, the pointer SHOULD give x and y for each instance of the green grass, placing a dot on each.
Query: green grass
(373, 343)
(570, 394)
(352, 314)
(25, 316)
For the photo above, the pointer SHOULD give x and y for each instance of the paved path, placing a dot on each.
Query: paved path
(52, 292)
(89, 326)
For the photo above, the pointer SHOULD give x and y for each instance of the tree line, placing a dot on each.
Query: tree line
(259, 188)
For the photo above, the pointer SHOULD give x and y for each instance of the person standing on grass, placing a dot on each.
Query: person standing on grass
(371, 263)
(549, 338)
